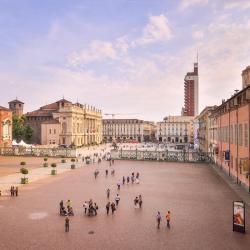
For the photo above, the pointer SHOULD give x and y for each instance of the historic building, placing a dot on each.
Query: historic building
(246, 77)
(191, 93)
(5, 127)
(67, 123)
(206, 129)
(16, 107)
(125, 130)
(232, 149)
(175, 129)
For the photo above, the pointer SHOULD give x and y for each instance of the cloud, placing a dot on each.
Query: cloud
(238, 4)
(97, 51)
(188, 3)
(157, 30)
(198, 35)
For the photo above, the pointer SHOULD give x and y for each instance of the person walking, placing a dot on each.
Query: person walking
(61, 206)
(123, 180)
(108, 193)
(85, 205)
(117, 199)
(158, 219)
(113, 207)
(140, 200)
(69, 204)
(168, 219)
(66, 224)
(106, 172)
(108, 207)
(16, 191)
(11, 191)
(128, 180)
(118, 185)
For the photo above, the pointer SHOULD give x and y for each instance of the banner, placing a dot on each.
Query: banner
(239, 216)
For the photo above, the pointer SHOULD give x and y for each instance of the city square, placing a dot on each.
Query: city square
(125, 124)
(199, 200)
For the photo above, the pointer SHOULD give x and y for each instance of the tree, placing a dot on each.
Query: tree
(18, 127)
(21, 131)
(28, 133)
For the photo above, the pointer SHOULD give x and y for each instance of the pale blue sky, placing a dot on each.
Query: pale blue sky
(122, 56)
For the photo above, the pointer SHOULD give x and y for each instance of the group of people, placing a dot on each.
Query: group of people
(90, 207)
(112, 206)
(159, 219)
(138, 201)
(13, 191)
(66, 212)
(134, 178)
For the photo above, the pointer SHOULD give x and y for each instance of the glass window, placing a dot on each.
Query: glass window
(246, 135)
(240, 134)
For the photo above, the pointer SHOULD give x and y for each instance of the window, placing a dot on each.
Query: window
(50, 130)
(231, 133)
(235, 134)
(54, 131)
(246, 135)
(240, 135)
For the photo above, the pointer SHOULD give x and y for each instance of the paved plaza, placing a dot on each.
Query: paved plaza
(200, 202)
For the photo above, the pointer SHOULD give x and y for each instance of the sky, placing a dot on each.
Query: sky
(122, 56)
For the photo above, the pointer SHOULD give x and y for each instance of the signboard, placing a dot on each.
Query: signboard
(227, 155)
(239, 216)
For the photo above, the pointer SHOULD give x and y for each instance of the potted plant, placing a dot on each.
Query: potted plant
(45, 164)
(24, 179)
(87, 159)
(53, 171)
(63, 161)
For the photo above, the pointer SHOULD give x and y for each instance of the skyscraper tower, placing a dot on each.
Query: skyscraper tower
(191, 93)
(16, 107)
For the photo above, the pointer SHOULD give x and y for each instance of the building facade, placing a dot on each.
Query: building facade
(67, 123)
(175, 129)
(16, 107)
(191, 93)
(5, 127)
(128, 130)
(206, 132)
(231, 151)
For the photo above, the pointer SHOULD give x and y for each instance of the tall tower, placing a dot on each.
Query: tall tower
(16, 107)
(191, 93)
(245, 77)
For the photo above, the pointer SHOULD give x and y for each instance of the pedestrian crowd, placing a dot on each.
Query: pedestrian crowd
(91, 208)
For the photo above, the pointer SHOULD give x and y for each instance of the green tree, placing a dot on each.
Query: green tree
(20, 131)
(27, 133)
(18, 127)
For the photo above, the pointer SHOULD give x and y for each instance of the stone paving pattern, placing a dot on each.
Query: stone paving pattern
(199, 199)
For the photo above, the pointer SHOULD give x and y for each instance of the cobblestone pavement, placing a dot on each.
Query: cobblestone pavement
(200, 202)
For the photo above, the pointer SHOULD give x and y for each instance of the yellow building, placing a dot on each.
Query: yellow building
(67, 123)
(176, 129)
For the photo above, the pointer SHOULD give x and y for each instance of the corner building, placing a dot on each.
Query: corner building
(176, 129)
(5, 127)
(67, 123)
(232, 151)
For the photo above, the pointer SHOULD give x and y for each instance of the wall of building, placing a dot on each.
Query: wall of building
(232, 122)
(175, 129)
(128, 130)
(5, 127)
(50, 133)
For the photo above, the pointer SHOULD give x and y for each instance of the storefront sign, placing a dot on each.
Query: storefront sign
(239, 216)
